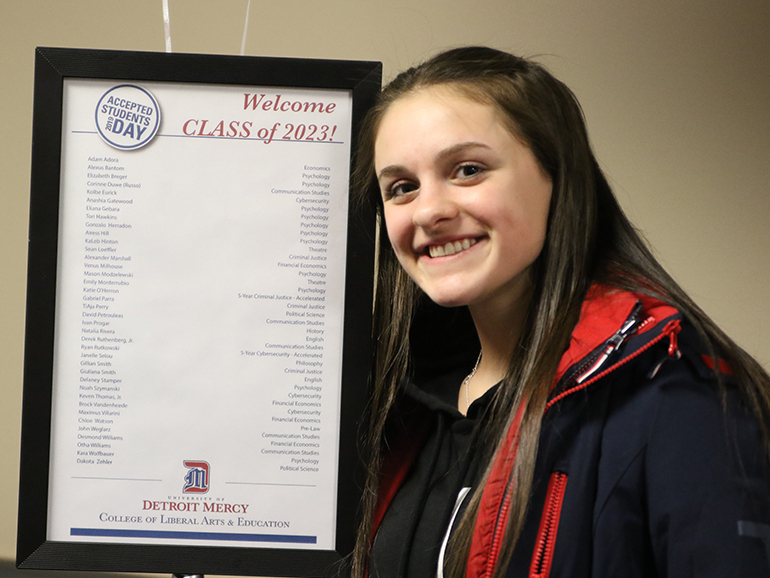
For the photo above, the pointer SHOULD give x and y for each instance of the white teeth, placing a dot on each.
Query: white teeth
(451, 248)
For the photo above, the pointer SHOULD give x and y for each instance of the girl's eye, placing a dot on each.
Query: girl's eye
(468, 170)
(399, 189)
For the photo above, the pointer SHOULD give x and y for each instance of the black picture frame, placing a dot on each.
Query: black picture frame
(52, 67)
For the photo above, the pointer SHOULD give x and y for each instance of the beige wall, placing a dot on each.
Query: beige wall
(676, 93)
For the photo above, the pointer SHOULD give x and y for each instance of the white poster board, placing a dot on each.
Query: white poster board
(200, 267)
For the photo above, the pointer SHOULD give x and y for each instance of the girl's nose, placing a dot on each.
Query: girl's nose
(434, 205)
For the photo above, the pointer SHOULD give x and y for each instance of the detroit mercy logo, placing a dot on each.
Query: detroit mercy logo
(196, 480)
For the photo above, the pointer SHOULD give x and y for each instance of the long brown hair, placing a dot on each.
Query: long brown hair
(589, 240)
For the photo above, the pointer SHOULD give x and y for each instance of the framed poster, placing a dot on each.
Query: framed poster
(198, 314)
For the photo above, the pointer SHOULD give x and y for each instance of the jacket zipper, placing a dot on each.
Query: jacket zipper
(670, 330)
(497, 536)
(611, 345)
(549, 526)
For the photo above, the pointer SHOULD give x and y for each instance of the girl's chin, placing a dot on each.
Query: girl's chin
(452, 290)
(447, 299)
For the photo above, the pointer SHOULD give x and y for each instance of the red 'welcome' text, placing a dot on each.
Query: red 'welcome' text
(261, 102)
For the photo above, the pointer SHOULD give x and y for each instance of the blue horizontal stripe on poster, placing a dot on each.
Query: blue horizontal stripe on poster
(165, 534)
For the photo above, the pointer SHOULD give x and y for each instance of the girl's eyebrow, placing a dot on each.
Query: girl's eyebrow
(392, 170)
(458, 148)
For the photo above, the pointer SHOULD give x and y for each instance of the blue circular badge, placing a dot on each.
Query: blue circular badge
(127, 117)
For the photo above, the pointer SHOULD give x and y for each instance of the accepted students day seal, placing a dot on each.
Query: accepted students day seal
(127, 117)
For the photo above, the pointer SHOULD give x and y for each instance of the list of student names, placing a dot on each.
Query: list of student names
(106, 273)
(200, 297)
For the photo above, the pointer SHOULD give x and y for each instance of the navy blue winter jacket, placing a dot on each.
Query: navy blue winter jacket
(646, 467)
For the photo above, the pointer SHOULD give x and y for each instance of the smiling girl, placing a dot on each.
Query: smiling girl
(547, 402)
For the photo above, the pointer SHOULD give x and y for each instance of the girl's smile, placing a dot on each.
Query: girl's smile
(450, 248)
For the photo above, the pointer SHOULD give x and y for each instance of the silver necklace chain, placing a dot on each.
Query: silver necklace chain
(467, 381)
